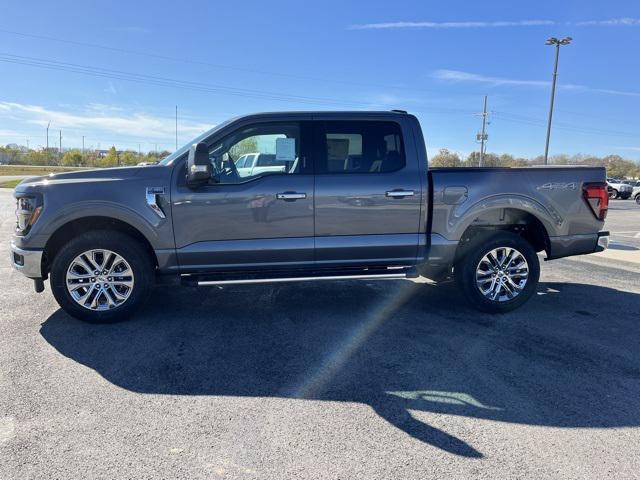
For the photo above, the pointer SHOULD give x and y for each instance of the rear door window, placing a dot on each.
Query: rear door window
(360, 147)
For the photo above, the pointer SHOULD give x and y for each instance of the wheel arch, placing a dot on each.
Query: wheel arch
(64, 233)
(515, 220)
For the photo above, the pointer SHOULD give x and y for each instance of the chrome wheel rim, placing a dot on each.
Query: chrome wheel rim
(502, 274)
(99, 280)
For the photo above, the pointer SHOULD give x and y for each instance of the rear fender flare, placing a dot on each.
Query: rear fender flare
(463, 216)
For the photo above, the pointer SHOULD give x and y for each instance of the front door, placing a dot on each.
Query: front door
(368, 194)
(257, 209)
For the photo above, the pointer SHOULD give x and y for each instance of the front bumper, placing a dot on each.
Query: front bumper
(27, 262)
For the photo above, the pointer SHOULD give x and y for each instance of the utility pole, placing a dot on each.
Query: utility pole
(138, 149)
(176, 127)
(48, 125)
(27, 143)
(83, 145)
(557, 43)
(60, 151)
(483, 136)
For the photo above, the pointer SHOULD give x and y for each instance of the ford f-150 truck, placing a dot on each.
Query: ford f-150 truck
(351, 198)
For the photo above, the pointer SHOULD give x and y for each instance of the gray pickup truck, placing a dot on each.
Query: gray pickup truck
(285, 197)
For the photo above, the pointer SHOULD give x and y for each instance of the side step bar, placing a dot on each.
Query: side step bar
(382, 276)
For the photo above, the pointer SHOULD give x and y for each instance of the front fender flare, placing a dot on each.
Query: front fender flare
(146, 224)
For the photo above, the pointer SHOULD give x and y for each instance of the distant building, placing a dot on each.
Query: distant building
(104, 153)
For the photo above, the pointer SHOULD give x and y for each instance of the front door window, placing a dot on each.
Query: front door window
(256, 151)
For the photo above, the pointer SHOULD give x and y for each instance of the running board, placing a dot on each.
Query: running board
(381, 276)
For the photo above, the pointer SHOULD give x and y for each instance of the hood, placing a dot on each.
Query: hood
(81, 176)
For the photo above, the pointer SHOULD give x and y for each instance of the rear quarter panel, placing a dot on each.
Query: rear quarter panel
(552, 195)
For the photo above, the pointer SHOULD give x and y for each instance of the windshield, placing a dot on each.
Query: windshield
(185, 148)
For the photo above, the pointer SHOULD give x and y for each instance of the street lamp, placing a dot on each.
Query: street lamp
(557, 43)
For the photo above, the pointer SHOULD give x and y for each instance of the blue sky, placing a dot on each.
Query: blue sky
(220, 59)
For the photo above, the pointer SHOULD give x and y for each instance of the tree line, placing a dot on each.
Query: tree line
(76, 158)
(616, 166)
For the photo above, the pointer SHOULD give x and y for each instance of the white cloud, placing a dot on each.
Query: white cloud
(614, 22)
(459, 76)
(442, 25)
(103, 120)
(634, 149)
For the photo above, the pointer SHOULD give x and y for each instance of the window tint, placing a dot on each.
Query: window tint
(361, 147)
(256, 151)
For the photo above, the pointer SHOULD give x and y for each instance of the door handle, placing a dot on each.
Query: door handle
(290, 196)
(400, 193)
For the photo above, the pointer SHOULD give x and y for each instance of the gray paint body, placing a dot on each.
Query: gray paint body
(345, 219)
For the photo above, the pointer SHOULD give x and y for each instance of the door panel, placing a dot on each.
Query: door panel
(257, 209)
(383, 249)
(368, 195)
(219, 226)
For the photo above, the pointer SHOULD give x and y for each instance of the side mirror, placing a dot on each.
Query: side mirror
(198, 165)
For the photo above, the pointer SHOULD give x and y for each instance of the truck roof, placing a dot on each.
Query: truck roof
(326, 113)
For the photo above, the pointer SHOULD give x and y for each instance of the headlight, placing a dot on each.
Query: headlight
(28, 210)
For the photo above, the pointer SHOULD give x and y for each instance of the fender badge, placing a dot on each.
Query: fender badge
(558, 186)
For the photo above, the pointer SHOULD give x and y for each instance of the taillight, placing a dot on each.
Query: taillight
(597, 197)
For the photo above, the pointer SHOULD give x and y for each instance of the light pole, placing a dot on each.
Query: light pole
(557, 43)
(48, 125)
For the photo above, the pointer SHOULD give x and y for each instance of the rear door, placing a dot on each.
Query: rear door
(368, 193)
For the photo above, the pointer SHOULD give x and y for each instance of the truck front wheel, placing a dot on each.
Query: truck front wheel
(498, 273)
(101, 276)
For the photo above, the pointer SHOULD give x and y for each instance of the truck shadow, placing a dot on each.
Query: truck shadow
(399, 347)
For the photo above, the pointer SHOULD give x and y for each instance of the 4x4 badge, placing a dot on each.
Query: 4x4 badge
(558, 186)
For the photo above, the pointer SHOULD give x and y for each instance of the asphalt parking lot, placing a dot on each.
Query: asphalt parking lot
(329, 380)
(624, 222)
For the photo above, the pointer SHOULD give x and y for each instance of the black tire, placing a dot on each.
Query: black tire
(129, 249)
(638, 199)
(465, 271)
(613, 193)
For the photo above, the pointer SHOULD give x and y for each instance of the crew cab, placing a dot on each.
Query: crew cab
(351, 197)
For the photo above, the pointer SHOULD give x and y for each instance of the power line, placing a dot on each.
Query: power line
(170, 82)
(523, 119)
(111, 140)
(199, 62)
(247, 69)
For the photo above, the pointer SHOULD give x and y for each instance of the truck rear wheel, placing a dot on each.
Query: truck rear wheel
(101, 276)
(499, 273)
